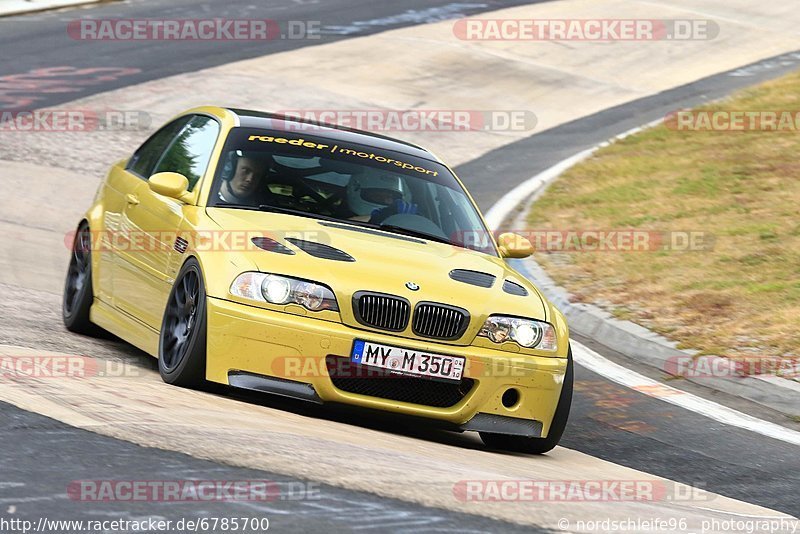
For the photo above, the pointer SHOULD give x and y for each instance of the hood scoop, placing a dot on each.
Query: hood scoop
(270, 245)
(514, 288)
(319, 250)
(474, 278)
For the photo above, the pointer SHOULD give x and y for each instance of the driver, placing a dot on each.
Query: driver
(375, 197)
(241, 183)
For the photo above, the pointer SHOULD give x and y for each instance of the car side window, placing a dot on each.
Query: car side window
(190, 152)
(146, 157)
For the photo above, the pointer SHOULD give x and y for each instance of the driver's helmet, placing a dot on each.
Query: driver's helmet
(370, 191)
(232, 159)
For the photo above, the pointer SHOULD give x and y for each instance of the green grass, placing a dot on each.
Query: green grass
(740, 188)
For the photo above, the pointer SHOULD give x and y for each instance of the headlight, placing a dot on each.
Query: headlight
(525, 332)
(277, 289)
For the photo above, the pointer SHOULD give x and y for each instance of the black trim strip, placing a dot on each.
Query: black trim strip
(501, 424)
(276, 386)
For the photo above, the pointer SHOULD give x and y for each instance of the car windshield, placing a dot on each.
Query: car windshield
(305, 175)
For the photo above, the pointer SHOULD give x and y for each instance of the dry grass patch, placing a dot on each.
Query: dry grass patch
(740, 188)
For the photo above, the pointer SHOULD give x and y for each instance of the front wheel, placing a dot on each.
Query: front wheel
(182, 342)
(539, 445)
(78, 293)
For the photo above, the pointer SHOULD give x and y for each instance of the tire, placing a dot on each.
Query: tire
(539, 445)
(182, 341)
(78, 294)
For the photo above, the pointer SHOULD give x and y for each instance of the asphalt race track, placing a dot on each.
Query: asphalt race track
(372, 473)
(39, 40)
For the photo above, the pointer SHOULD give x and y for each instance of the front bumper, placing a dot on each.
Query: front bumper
(247, 341)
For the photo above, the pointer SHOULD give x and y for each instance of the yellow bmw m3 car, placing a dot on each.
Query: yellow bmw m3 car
(325, 264)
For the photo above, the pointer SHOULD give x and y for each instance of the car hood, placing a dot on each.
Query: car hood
(381, 262)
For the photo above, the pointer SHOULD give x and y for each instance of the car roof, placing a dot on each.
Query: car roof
(260, 119)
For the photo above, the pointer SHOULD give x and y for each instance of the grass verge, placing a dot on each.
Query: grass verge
(736, 295)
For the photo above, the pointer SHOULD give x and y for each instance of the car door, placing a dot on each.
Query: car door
(146, 270)
(121, 186)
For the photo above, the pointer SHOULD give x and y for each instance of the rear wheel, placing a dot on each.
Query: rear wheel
(78, 294)
(539, 445)
(182, 342)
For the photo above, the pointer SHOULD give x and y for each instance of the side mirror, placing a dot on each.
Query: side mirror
(169, 184)
(514, 246)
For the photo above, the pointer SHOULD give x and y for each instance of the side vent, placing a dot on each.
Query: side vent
(180, 245)
(265, 243)
(474, 278)
(514, 288)
(320, 251)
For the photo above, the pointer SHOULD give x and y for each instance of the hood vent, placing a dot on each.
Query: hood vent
(320, 251)
(265, 243)
(514, 288)
(474, 278)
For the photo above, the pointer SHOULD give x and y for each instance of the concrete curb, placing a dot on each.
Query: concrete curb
(626, 337)
(10, 8)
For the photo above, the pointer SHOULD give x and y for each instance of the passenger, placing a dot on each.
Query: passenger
(376, 197)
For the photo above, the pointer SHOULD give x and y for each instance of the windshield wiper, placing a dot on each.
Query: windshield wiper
(414, 233)
(237, 206)
(391, 228)
(275, 209)
(289, 211)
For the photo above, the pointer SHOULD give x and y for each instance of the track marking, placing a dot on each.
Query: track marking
(653, 388)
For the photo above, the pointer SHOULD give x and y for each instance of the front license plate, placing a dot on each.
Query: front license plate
(407, 361)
